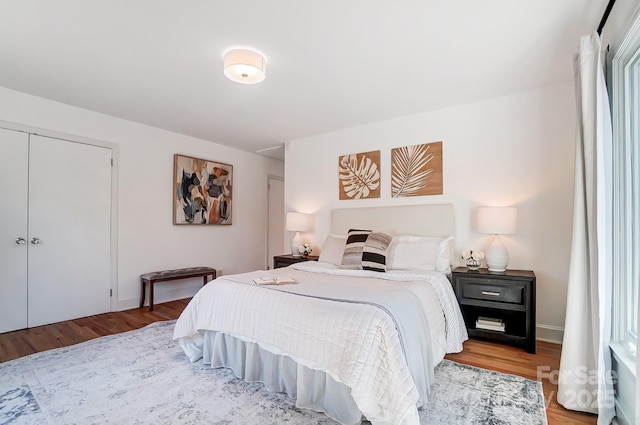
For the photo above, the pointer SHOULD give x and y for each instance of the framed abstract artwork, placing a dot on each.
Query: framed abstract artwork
(416, 170)
(359, 175)
(201, 191)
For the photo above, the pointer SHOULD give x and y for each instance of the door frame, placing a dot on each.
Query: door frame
(115, 152)
(268, 263)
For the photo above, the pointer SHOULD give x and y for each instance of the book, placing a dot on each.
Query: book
(273, 280)
(489, 320)
(489, 323)
(489, 327)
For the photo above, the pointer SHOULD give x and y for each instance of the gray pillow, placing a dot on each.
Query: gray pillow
(374, 252)
(352, 257)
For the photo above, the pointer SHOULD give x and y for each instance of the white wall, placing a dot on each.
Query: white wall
(147, 240)
(516, 150)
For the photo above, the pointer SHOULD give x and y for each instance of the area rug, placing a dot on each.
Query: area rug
(142, 377)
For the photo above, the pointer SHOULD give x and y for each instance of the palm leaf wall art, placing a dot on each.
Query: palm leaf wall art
(359, 175)
(416, 170)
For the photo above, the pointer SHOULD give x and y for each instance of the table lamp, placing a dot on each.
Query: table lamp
(497, 221)
(298, 222)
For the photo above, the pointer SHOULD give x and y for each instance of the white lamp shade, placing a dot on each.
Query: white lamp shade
(244, 66)
(497, 220)
(298, 222)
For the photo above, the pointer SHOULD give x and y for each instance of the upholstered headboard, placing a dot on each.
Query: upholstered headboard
(436, 220)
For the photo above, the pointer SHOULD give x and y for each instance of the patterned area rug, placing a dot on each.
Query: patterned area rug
(142, 377)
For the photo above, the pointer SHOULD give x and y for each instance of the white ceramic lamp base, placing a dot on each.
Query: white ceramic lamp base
(295, 243)
(496, 256)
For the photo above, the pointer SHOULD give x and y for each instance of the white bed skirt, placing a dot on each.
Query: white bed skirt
(312, 389)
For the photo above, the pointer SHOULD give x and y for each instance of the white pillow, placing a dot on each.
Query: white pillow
(332, 249)
(443, 262)
(419, 253)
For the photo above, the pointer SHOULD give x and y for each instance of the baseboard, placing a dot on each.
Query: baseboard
(168, 291)
(549, 333)
(127, 304)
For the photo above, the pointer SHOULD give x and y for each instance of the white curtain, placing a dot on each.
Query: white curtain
(585, 382)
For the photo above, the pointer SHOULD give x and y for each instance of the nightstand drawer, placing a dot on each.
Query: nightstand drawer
(512, 292)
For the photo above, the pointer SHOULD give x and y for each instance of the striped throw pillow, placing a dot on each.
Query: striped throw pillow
(352, 257)
(374, 252)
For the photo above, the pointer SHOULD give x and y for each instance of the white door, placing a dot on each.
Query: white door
(69, 230)
(14, 152)
(275, 231)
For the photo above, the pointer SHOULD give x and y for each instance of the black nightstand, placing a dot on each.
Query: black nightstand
(288, 259)
(509, 297)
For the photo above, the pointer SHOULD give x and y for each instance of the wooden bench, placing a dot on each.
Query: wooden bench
(166, 275)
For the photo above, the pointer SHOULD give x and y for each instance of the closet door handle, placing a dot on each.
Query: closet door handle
(35, 241)
(20, 241)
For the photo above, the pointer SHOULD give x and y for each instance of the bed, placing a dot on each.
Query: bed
(348, 342)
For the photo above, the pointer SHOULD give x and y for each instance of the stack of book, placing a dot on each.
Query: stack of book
(490, 324)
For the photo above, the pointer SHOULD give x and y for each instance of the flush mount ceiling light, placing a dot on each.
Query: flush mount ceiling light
(244, 66)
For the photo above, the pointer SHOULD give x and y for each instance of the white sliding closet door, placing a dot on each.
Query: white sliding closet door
(69, 230)
(14, 154)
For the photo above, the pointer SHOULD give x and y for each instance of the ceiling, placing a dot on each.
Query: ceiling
(331, 64)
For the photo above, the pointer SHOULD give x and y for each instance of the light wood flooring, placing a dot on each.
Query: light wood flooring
(476, 353)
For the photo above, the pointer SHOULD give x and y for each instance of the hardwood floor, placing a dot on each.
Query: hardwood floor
(28, 341)
(476, 353)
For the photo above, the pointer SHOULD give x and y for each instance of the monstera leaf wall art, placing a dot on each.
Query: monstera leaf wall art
(416, 170)
(359, 175)
(201, 191)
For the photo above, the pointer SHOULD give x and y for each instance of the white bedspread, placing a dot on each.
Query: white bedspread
(455, 327)
(356, 344)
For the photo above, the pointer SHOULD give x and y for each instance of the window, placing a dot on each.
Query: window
(626, 190)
